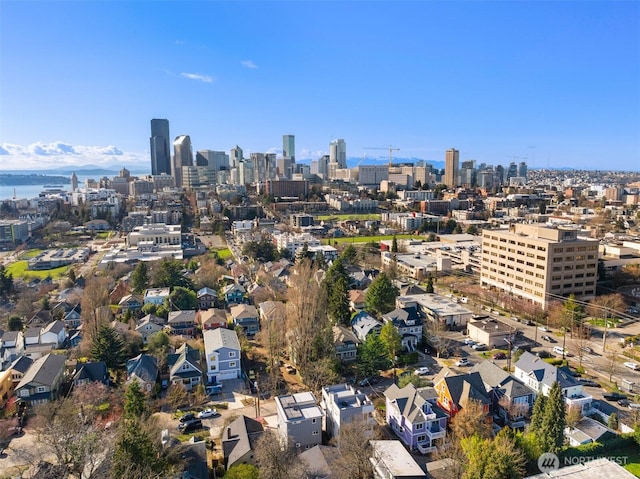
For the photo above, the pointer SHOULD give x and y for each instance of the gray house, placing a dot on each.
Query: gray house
(246, 316)
(346, 344)
(222, 353)
(41, 382)
(342, 404)
(184, 367)
(299, 420)
(238, 441)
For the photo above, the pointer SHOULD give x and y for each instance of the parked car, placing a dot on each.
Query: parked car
(589, 383)
(613, 396)
(544, 329)
(499, 356)
(214, 389)
(632, 365)
(559, 350)
(634, 405)
(422, 371)
(209, 412)
(188, 417)
(462, 362)
(624, 402)
(468, 341)
(586, 349)
(632, 310)
(370, 381)
(479, 347)
(189, 426)
(549, 339)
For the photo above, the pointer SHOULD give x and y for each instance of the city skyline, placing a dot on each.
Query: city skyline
(517, 81)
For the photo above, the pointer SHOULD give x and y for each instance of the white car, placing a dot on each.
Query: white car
(631, 365)
(462, 362)
(209, 412)
(468, 341)
(423, 371)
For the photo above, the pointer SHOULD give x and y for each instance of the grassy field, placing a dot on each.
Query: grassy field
(345, 217)
(367, 239)
(224, 254)
(32, 253)
(19, 270)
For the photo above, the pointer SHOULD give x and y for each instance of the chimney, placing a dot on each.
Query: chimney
(228, 433)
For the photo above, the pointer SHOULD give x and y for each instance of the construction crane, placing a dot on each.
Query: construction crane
(391, 149)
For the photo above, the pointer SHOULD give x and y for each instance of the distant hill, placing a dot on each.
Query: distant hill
(32, 179)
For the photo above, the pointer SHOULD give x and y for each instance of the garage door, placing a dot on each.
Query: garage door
(222, 375)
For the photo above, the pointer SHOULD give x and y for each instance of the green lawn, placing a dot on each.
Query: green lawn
(103, 235)
(611, 322)
(32, 253)
(346, 217)
(368, 239)
(224, 254)
(19, 270)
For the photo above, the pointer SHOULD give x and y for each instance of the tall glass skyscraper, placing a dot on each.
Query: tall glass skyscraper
(289, 146)
(182, 156)
(160, 147)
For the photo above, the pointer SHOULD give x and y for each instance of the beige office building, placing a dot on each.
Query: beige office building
(539, 263)
(451, 162)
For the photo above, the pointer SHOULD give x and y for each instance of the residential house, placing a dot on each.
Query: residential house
(32, 336)
(414, 416)
(299, 420)
(319, 461)
(246, 316)
(586, 431)
(93, 372)
(11, 347)
(233, 293)
(54, 333)
(19, 368)
(144, 369)
(156, 296)
(41, 383)
(119, 327)
(356, 299)
(540, 376)
(346, 343)
(6, 387)
(213, 318)
(342, 404)
(391, 460)
(119, 291)
(272, 310)
(194, 453)
(73, 318)
(408, 322)
(363, 324)
(207, 298)
(44, 316)
(147, 327)
(222, 350)
(511, 400)
(130, 302)
(359, 280)
(184, 367)
(239, 439)
(454, 391)
(182, 323)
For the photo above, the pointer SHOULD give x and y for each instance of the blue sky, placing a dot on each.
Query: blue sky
(556, 82)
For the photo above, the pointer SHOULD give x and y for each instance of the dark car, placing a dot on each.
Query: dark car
(589, 383)
(187, 417)
(549, 339)
(614, 396)
(624, 402)
(189, 426)
(370, 381)
(499, 356)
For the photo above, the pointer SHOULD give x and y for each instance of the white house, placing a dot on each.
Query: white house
(53, 333)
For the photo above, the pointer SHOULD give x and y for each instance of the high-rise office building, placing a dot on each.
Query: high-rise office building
(522, 169)
(451, 160)
(338, 153)
(236, 156)
(182, 156)
(160, 147)
(289, 147)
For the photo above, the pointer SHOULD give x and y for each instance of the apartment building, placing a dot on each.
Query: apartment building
(299, 420)
(539, 263)
(343, 404)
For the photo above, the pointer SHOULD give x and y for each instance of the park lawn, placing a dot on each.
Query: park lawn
(103, 235)
(19, 269)
(347, 217)
(368, 239)
(224, 254)
(32, 253)
(611, 322)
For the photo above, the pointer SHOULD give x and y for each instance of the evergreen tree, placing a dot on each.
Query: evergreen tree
(134, 402)
(381, 295)
(109, 347)
(339, 301)
(169, 275)
(391, 340)
(135, 454)
(182, 299)
(613, 421)
(349, 254)
(15, 323)
(372, 356)
(551, 432)
(394, 245)
(6, 282)
(537, 415)
(140, 277)
(429, 288)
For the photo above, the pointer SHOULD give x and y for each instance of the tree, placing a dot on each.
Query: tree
(391, 340)
(272, 460)
(499, 458)
(471, 420)
(606, 307)
(15, 323)
(134, 402)
(472, 230)
(6, 282)
(140, 277)
(381, 295)
(137, 456)
(168, 274)
(551, 431)
(613, 422)
(458, 229)
(349, 255)
(339, 309)
(108, 346)
(573, 415)
(242, 471)
(95, 306)
(429, 287)
(394, 245)
(183, 299)
(537, 415)
(372, 356)
(355, 451)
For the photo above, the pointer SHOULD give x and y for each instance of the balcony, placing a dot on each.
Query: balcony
(436, 434)
(424, 448)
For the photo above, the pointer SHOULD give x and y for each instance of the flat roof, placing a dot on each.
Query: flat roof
(396, 458)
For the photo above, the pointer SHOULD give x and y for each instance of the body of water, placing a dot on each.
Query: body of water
(32, 191)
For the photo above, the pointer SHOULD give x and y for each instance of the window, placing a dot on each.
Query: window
(313, 421)
(315, 433)
(213, 367)
(41, 389)
(419, 426)
(232, 354)
(232, 364)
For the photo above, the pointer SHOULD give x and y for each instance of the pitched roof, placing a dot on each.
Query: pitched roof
(213, 316)
(44, 370)
(215, 339)
(268, 309)
(130, 298)
(544, 372)
(319, 459)
(343, 335)
(54, 327)
(92, 371)
(144, 367)
(208, 291)
(22, 364)
(239, 437)
(185, 353)
(188, 315)
(410, 402)
(463, 387)
(244, 311)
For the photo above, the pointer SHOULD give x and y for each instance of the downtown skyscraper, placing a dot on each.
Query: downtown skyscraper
(451, 162)
(182, 156)
(160, 147)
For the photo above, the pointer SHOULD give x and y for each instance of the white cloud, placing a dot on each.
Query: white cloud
(306, 154)
(249, 64)
(57, 154)
(198, 76)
